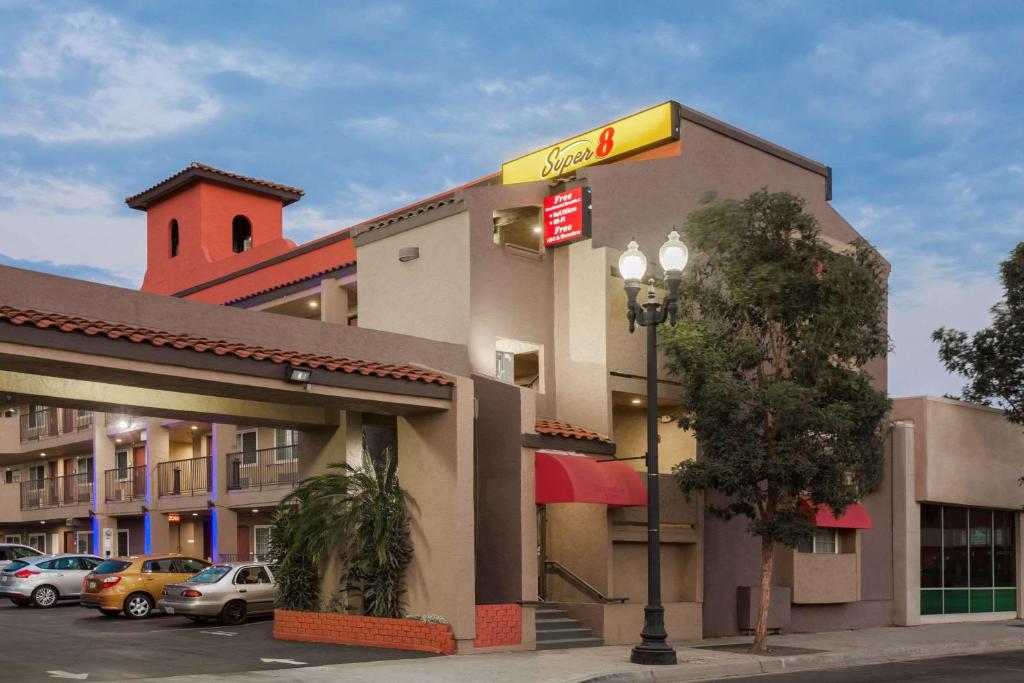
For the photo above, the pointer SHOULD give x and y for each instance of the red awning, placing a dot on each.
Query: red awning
(855, 517)
(579, 479)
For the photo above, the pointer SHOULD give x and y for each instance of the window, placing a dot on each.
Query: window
(36, 416)
(36, 474)
(287, 442)
(174, 237)
(824, 541)
(518, 363)
(88, 563)
(518, 229)
(23, 552)
(246, 444)
(83, 541)
(186, 565)
(12, 538)
(112, 566)
(12, 476)
(37, 541)
(121, 463)
(61, 564)
(211, 574)
(968, 560)
(241, 234)
(261, 542)
(250, 575)
(164, 566)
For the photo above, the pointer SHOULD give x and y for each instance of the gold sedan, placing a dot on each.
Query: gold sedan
(133, 585)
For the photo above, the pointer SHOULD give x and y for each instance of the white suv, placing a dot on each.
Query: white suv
(9, 552)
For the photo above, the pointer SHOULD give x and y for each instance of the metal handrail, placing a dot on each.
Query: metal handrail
(49, 492)
(49, 422)
(184, 477)
(124, 484)
(263, 468)
(581, 584)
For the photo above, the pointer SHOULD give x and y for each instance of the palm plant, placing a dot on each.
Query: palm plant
(357, 515)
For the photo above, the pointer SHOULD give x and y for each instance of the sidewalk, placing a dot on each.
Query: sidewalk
(696, 662)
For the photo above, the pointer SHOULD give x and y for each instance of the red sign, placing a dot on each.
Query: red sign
(567, 216)
(171, 517)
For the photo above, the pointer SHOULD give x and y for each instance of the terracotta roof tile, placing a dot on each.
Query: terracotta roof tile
(304, 278)
(142, 335)
(568, 431)
(198, 168)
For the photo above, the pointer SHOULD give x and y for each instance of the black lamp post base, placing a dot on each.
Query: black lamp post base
(653, 654)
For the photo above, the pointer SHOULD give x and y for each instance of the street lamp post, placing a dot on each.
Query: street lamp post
(654, 647)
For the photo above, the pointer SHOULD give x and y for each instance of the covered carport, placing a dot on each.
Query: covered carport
(66, 342)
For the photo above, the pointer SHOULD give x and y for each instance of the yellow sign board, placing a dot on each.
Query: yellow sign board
(645, 129)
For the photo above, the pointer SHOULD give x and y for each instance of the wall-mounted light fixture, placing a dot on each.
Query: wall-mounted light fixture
(299, 375)
(406, 254)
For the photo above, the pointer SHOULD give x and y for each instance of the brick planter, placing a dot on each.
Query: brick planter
(349, 629)
(498, 625)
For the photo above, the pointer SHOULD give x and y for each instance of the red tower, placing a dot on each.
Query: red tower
(203, 223)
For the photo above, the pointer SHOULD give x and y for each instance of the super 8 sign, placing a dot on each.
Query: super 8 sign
(567, 216)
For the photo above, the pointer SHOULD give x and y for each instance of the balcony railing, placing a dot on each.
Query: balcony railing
(263, 468)
(243, 557)
(46, 423)
(51, 492)
(125, 484)
(184, 477)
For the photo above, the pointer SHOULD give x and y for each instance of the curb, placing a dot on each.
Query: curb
(826, 660)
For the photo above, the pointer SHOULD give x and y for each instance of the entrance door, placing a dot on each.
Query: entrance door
(139, 481)
(243, 542)
(122, 543)
(69, 541)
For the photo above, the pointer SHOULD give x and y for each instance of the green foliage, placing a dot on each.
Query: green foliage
(993, 359)
(357, 515)
(775, 331)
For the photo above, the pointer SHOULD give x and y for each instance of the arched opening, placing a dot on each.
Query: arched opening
(174, 237)
(241, 234)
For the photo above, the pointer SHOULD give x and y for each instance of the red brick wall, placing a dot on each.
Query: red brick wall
(498, 625)
(349, 629)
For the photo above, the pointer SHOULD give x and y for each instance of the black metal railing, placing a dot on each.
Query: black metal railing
(579, 583)
(45, 423)
(243, 557)
(124, 484)
(184, 477)
(71, 489)
(263, 468)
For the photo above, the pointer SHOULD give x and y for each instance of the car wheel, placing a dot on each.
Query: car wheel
(234, 612)
(21, 602)
(138, 606)
(44, 596)
(110, 612)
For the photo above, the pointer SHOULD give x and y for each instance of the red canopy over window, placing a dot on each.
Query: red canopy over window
(855, 517)
(579, 479)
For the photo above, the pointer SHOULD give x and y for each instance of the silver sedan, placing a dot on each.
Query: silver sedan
(44, 580)
(229, 592)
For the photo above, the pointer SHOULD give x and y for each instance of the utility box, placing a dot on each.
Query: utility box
(747, 600)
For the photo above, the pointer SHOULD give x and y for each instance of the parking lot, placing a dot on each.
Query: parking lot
(67, 641)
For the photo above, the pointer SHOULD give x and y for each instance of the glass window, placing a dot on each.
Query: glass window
(112, 566)
(37, 541)
(245, 443)
(88, 563)
(1004, 560)
(249, 575)
(287, 441)
(980, 544)
(519, 228)
(823, 540)
(24, 552)
(261, 542)
(954, 524)
(931, 546)
(13, 566)
(187, 565)
(164, 566)
(49, 564)
(211, 574)
(65, 563)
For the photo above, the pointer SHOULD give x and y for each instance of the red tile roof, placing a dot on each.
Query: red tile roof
(568, 431)
(267, 290)
(142, 335)
(197, 169)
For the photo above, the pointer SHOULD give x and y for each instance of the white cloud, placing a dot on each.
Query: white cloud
(67, 221)
(940, 295)
(356, 204)
(88, 76)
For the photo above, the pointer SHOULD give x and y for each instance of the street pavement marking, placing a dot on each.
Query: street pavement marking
(66, 674)
(281, 661)
(221, 633)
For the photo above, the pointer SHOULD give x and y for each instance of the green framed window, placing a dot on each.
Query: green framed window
(968, 560)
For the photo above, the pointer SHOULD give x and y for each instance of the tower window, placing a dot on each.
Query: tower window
(241, 234)
(174, 237)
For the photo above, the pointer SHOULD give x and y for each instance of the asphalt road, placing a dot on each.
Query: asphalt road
(67, 640)
(996, 667)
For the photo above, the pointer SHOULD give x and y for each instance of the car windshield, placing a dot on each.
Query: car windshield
(15, 566)
(210, 574)
(111, 566)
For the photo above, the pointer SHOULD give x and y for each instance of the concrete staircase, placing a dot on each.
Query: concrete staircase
(556, 630)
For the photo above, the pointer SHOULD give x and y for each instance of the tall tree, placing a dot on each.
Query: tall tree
(993, 359)
(777, 327)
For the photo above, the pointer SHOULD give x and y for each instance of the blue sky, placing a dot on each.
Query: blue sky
(917, 107)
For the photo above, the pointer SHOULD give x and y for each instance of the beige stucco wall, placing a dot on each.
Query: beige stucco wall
(629, 430)
(963, 454)
(427, 297)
